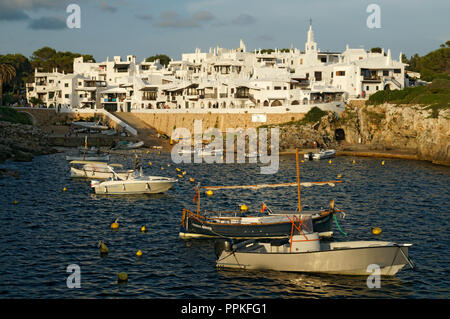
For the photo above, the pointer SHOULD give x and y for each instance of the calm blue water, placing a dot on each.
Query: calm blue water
(50, 229)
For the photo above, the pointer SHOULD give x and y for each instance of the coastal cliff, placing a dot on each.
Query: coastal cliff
(399, 127)
(411, 129)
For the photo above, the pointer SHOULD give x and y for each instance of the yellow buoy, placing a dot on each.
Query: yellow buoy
(209, 193)
(192, 179)
(184, 173)
(376, 230)
(148, 152)
(171, 142)
(244, 208)
(143, 229)
(330, 161)
(162, 168)
(15, 202)
(180, 176)
(122, 276)
(382, 162)
(150, 163)
(353, 162)
(115, 225)
(339, 176)
(139, 253)
(64, 189)
(177, 169)
(302, 161)
(103, 248)
(168, 165)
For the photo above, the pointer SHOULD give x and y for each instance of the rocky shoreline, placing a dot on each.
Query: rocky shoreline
(391, 131)
(21, 142)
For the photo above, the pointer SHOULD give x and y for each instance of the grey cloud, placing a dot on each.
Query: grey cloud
(171, 19)
(12, 15)
(105, 6)
(244, 19)
(203, 16)
(144, 16)
(48, 23)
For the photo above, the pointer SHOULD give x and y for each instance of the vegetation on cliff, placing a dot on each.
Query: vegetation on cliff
(434, 65)
(10, 115)
(436, 96)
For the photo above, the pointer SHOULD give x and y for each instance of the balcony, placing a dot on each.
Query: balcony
(371, 78)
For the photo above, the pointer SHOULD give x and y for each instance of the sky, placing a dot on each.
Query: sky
(147, 27)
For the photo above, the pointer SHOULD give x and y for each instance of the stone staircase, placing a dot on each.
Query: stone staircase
(145, 132)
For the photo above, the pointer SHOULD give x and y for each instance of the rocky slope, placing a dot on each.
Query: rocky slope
(384, 127)
(20, 142)
(394, 127)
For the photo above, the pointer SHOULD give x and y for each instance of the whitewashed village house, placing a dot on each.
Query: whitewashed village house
(223, 79)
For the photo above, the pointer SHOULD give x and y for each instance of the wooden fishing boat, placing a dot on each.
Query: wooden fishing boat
(305, 252)
(265, 225)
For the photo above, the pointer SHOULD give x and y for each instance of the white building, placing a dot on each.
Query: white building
(222, 79)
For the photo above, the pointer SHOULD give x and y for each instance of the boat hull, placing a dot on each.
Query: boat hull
(193, 226)
(342, 261)
(92, 174)
(87, 158)
(133, 187)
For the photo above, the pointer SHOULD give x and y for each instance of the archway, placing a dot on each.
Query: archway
(387, 87)
(295, 102)
(339, 134)
(266, 103)
(276, 103)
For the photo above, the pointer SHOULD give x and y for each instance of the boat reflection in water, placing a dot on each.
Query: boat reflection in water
(301, 285)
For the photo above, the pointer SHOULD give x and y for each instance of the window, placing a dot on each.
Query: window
(66, 96)
(301, 61)
(397, 71)
(376, 88)
(367, 88)
(277, 87)
(385, 72)
(66, 85)
(340, 73)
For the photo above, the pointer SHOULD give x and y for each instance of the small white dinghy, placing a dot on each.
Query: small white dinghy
(304, 252)
(323, 154)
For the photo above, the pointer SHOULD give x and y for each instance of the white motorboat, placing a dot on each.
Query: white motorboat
(322, 154)
(92, 154)
(91, 125)
(304, 252)
(97, 170)
(126, 145)
(92, 158)
(135, 184)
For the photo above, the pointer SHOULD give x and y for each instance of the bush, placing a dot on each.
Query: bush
(10, 115)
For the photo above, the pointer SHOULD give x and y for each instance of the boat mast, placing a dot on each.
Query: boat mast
(298, 182)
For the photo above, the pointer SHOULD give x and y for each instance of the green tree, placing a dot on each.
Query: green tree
(7, 73)
(163, 59)
(46, 59)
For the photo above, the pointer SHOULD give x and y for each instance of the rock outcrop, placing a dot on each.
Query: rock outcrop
(386, 127)
(392, 127)
(20, 142)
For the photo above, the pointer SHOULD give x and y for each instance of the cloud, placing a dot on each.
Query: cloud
(12, 15)
(203, 16)
(244, 19)
(106, 7)
(171, 19)
(48, 23)
(144, 16)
